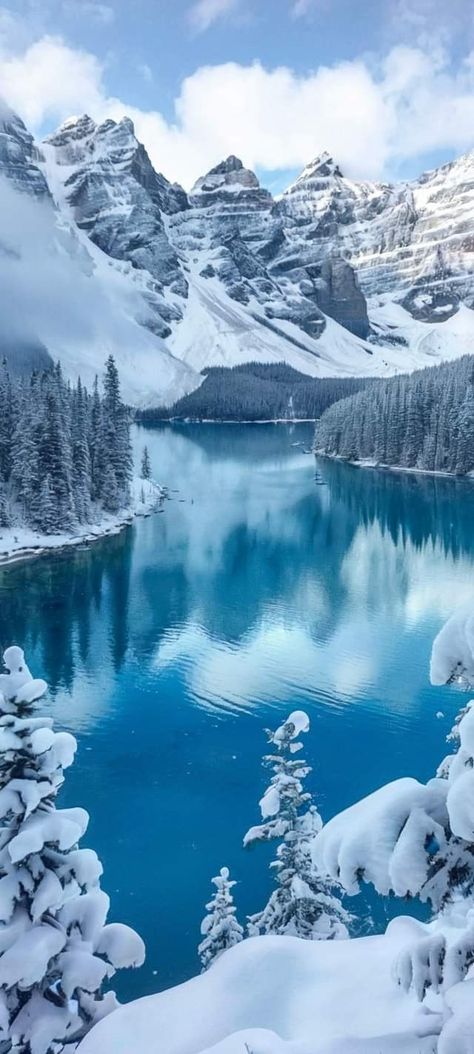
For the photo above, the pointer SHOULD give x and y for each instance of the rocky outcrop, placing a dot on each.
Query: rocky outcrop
(19, 155)
(119, 200)
(413, 240)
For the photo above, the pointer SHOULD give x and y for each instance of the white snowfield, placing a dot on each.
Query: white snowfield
(20, 543)
(278, 995)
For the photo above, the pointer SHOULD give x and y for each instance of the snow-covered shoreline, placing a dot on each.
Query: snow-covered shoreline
(236, 421)
(369, 463)
(22, 543)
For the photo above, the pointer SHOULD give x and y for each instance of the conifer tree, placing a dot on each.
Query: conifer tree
(220, 928)
(57, 950)
(425, 421)
(96, 450)
(65, 455)
(110, 491)
(7, 421)
(116, 434)
(81, 464)
(46, 508)
(305, 903)
(145, 465)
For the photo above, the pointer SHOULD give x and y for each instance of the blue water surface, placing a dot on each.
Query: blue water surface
(269, 581)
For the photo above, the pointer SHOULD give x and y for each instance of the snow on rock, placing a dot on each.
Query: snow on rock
(452, 656)
(278, 994)
(335, 278)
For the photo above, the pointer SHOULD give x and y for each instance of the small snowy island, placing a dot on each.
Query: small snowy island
(66, 469)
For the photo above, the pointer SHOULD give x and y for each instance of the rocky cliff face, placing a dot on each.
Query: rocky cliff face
(19, 155)
(85, 265)
(336, 276)
(118, 199)
(413, 240)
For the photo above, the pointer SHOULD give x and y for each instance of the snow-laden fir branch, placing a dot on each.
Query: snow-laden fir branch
(56, 948)
(305, 903)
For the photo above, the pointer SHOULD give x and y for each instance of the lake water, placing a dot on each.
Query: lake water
(266, 584)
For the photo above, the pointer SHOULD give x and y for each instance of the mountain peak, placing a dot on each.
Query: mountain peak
(231, 164)
(73, 128)
(228, 176)
(322, 167)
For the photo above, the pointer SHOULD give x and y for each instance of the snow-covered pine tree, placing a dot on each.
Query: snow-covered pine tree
(424, 420)
(46, 517)
(465, 453)
(54, 454)
(7, 420)
(64, 455)
(110, 490)
(81, 463)
(305, 903)
(145, 466)
(96, 450)
(220, 929)
(56, 949)
(116, 434)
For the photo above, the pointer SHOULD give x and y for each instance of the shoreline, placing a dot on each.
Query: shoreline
(436, 473)
(227, 421)
(26, 544)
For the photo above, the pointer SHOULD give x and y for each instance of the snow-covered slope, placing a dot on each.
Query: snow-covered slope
(280, 995)
(336, 277)
(60, 292)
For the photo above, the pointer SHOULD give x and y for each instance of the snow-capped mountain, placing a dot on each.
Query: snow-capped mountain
(335, 277)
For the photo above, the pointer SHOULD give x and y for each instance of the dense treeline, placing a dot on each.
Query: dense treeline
(65, 453)
(424, 421)
(256, 392)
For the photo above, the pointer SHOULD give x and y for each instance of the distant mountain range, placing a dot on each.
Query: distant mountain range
(100, 253)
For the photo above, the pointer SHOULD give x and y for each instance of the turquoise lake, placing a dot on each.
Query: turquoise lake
(268, 582)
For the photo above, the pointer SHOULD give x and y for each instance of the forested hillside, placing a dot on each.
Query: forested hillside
(255, 392)
(65, 454)
(424, 421)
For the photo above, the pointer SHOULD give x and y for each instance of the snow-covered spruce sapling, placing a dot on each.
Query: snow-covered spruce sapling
(305, 903)
(145, 465)
(56, 949)
(219, 928)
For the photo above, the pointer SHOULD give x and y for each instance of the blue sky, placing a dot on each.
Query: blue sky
(387, 87)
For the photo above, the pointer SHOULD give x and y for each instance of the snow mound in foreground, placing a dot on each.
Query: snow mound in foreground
(280, 995)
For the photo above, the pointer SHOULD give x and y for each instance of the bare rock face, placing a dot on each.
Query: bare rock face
(413, 240)
(19, 156)
(340, 296)
(119, 200)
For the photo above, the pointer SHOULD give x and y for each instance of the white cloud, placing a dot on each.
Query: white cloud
(204, 13)
(50, 79)
(370, 116)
